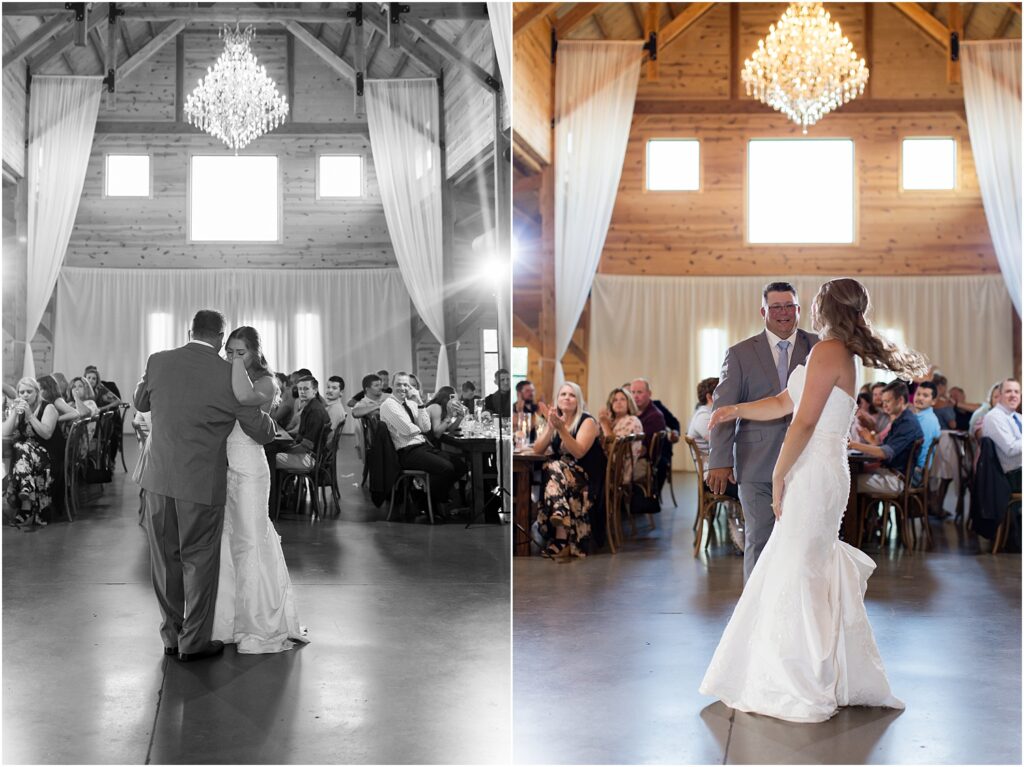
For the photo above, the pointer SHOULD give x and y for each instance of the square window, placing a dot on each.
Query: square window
(339, 175)
(800, 191)
(673, 165)
(127, 175)
(520, 364)
(490, 349)
(234, 199)
(929, 163)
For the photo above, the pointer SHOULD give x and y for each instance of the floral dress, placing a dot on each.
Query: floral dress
(573, 494)
(635, 470)
(30, 478)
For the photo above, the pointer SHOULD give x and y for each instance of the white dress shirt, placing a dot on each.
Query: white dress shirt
(773, 341)
(404, 432)
(1001, 426)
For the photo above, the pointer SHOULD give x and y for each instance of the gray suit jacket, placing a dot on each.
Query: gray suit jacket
(188, 394)
(749, 374)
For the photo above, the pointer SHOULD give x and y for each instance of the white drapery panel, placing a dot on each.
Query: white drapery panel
(652, 327)
(992, 97)
(595, 90)
(500, 16)
(61, 123)
(346, 322)
(403, 121)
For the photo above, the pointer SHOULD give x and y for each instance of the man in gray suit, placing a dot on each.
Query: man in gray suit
(745, 452)
(188, 393)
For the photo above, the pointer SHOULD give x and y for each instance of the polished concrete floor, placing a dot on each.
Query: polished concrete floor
(408, 660)
(609, 652)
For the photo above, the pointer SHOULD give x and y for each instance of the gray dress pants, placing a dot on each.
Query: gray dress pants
(756, 498)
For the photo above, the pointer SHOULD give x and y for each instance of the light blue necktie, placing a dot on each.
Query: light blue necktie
(1016, 422)
(783, 366)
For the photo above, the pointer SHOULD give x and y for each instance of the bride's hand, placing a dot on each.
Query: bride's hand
(723, 415)
(778, 485)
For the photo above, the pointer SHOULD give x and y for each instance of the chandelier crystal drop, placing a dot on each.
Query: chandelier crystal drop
(805, 67)
(236, 102)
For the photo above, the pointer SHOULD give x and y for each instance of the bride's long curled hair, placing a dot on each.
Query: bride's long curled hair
(840, 311)
(251, 338)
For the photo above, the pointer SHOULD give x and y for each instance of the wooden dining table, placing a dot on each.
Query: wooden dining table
(475, 448)
(523, 466)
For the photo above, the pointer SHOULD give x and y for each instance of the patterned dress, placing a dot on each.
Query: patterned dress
(573, 495)
(636, 469)
(30, 478)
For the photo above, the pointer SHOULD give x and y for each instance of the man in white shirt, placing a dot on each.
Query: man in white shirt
(408, 424)
(332, 396)
(1003, 426)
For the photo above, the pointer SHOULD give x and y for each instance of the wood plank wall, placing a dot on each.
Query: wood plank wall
(532, 98)
(15, 115)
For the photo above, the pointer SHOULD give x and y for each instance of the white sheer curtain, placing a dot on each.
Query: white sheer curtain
(500, 16)
(992, 97)
(346, 322)
(595, 90)
(61, 122)
(403, 120)
(675, 330)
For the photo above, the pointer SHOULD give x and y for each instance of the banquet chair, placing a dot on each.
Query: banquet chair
(646, 483)
(966, 451)
(1003, 531)
(368, 423)
(303, 478)
(617, 492)
(327, 470)
(708, 503)
(897, 503)
(919, 495)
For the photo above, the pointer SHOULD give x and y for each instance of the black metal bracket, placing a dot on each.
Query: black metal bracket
(954, 46)
(359, 83)
(395, 10)
(554, 44)
(357, 14)
(113, 12)
(78, 8)
(492, 83)
(109, 80)
(651, 46)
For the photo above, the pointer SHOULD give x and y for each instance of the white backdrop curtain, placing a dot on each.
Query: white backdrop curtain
(500, 16)
(403, 121)
(61, 122)
(992, 97)
(346, 322)
(595, 90)
(661, 327)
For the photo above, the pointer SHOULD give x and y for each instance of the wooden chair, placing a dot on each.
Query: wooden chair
(708, 503)
(616, 492)
(368, 423)
(897, 502)
(919, 495)
(327, 470)
(1003, 531)
(966, 452)
(304, 478)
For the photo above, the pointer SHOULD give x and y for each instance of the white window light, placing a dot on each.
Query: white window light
(491, 365)
(520, 364)
(234, 199)
(712, 345)
(159, 332)
(928, 163)
(126, 175)
(308, 344)
(673, 165)
(339, 176)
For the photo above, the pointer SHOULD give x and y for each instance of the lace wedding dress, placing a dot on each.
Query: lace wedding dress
(799, 645)
(255, 606)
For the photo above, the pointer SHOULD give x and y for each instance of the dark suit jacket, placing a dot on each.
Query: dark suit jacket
(188, 394)
(499, 403)
(382, 462)
(312, 421)
(990, 493)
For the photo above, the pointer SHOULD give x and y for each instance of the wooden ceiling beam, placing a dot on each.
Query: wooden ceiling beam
(927, 23)
(749, 106)
(574, 17)
(424, 58)
(317, 46)
(682, 22)
(652, 20)
(163, 37)
(453, 53)
(36, 39)
(955, 22)
(530, 15)
(97, 16)
(967, 16)
(97, 46)
(158, 128)
(634, 9)
(1004, 24)
(523, 331)
(126, 38)
(219, 13)
(1015, 7)
(601, 28)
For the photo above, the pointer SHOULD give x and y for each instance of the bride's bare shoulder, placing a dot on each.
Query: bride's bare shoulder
(829, 350)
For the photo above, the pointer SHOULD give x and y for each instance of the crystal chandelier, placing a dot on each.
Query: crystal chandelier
(805, 67)
(236, 102)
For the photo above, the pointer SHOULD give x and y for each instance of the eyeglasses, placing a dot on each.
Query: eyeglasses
(780, 308)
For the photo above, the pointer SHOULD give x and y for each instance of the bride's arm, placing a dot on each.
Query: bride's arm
(767, 409)
(245, 392)
(823, 369)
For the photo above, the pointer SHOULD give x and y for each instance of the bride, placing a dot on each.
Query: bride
(799, 645)
(255, 606)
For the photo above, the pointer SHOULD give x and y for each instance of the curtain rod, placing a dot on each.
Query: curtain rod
(67, 77)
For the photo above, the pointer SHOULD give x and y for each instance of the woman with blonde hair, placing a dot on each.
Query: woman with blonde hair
(799, 645)
(573, 481)
(618, 419)
(31, 422)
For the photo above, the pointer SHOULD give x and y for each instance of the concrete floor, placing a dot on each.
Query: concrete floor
(609, 653)
(408, 660)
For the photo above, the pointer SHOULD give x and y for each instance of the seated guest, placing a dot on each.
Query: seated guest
(653, 419)
(930, 427)
(962, 408)
(85, 398)
(499, 402)
(945, 410)
(372, 396)
(881, 418)
(409, 424)
(50, 389)
(894, 451)
(1002, 425)
(978, 416)
(385, 385)
(573, 480)
(332, 396)
(382, 375)
(292, 427)
(445, 411)
(415, 390)
(618, 419)
(524, 405)
(32, 423)
(285, 407)
(862, 415)
(312, 423)
(674, 428)
(105, 393)
(468, 395)
(698, 430)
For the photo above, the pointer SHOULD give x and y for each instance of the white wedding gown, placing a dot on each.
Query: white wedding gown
(799, 645)
(255, 607)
